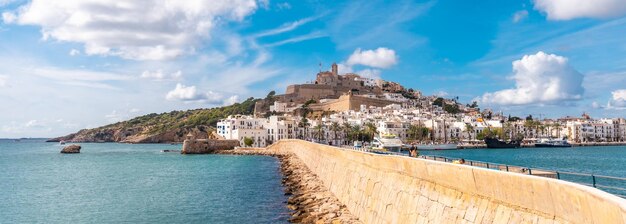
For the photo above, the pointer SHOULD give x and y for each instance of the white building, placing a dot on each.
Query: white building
(239, 127)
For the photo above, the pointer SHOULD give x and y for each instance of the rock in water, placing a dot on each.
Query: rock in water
(71, 149)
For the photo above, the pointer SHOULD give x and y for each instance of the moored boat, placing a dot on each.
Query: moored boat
(495, 143)
(387, 142)
(552, 143)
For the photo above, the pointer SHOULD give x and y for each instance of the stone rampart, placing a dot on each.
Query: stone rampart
(203, 146)
(350, 102)
(396, 189)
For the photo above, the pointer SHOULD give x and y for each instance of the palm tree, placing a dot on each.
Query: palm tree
(557, 126)
(335, 127)
(347, 129)
(304, 123)
(528, 125)
(319, 131)
(413, 131)
(370, 130)
(469, 129)
(356, 132)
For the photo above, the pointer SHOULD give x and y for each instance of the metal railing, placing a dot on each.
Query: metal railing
(613, 185)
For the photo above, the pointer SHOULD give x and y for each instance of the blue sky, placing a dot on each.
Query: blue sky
(68, 65)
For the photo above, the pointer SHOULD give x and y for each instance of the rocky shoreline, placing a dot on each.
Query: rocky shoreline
(309, 200)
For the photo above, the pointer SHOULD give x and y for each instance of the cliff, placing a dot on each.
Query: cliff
(161, 128)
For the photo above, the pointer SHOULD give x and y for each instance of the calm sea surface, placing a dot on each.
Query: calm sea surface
(601, 160)
(114, 183)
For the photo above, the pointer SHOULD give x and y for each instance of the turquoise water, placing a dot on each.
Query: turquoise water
(601, 160)
(597, 160)
(113, 183)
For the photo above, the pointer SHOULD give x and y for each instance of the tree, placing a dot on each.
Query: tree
(248, 141)
(335, 127)
(474, 104)
(304, 123)
(557, 126)
(413, 131)
(270, 95)
(370, 130)
(438, 102)
(494, 132)
(356, 133)
(319, 131)
(469, 129)
(451, 108)
(347, 130)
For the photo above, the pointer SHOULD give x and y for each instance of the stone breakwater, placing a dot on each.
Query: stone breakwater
(309, 199)
(398, 189)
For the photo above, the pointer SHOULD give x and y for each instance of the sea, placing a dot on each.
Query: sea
(602, 167)
(138, 183)
(135, 183)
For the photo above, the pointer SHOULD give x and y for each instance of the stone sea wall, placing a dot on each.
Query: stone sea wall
(203, 146)
(395, 189)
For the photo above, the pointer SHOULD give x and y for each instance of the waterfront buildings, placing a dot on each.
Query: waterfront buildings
(340, 108)
(402, 120)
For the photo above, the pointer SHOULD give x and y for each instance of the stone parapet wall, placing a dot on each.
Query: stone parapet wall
(396, 189)
(204, 146)
(350, 102)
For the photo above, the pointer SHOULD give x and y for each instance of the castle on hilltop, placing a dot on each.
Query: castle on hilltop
(330, 90)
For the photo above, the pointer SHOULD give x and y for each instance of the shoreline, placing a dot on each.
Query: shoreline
(309, 200)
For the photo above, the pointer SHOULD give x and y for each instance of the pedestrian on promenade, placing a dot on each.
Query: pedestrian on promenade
(413, 151)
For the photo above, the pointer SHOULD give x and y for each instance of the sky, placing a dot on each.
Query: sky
(67, 65)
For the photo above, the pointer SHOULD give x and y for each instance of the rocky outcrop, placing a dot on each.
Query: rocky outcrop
(309, 200)
(204, 146)
(132, 135)
(166, 127)
(71, 149)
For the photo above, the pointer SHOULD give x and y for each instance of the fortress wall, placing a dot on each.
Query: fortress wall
(350, 102)
(396, 189)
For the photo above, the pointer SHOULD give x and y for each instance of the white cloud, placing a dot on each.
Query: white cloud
(283, 6)
(184, 93)
(595, 105)
(369, 73)
(286, 27)
(572, 9)
(6, 2)
(139, 30)
(520, 15)
(309, 36)
(540, 79)
(343, 68)
(618, 100)
(74, 52)
(8, 17)
(34, 124)
(4, 81)
(231, 100)
(191, 94)
(159, 75)
(619, 94)
(379, 58)
(114, 116)
(441, 93)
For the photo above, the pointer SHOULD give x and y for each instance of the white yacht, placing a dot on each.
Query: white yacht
(387, 142)
(552, 143)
